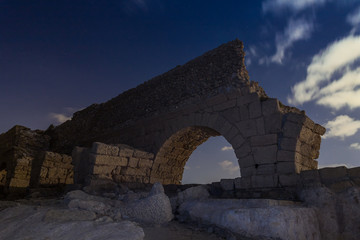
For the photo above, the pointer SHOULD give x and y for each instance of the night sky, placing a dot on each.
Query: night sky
(57, 57)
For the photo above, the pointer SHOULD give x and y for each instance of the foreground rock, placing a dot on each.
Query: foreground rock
(155, 208)
(338, 214)
(29, 222)
(265, 219)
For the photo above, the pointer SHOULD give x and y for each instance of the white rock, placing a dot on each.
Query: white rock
(64, 215)
(155, 208)
(89, 205)
(280, 222)
(199, 192)
(323, 200)
(25, 222)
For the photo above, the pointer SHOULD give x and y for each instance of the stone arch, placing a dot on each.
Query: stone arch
(171, 158)
(272, 142)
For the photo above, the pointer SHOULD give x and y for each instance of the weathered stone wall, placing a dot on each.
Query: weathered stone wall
(18, 148)
(119, 163)
(25, 162)
(56, 169)
(337, 179)
(215, 72)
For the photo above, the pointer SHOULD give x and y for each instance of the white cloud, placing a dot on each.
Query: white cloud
(342, 126)
(355, 146)
(229, 167)
(226, 148)
(59, 117)
(336, 59)
(354, 17)
(296, 30)
(63, 117)
(295, 5)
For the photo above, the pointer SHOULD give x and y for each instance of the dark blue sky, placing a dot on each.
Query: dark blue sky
(60, 56)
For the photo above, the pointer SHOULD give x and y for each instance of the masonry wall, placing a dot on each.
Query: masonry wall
(119, 163)
(215, 72)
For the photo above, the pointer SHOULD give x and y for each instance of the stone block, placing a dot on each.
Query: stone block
(255, 109)
(265, 154)
(143, 154)
(291, 130)
(340, 186)
(227, 184)
(242, 182)
(285, 156)
(264, 140)
(354, 172)
(231, 133)
(290, 144)
(285, 167)
(296, 117)
(246, 99)
(260, 126)
(331, 174)
(273, 123)
(145, 163)
(244, 112)
(237, 141)
(243, 151)
(265, 169)
(216, 100)
(247, 171)
(310, 176)
(108, 160)
(232, 114)
(319, 129)
(247, 128)
(133, 162)
(270, 106)
(306, 162)
(247, 161)
(104, 149)
(264, 181)
(289, 180)
(125, 150)
(306, 135)
(102, 169)
(225, 126)
(19, 183)
(225, 105)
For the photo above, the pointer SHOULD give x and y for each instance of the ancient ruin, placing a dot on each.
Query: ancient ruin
(151, 131)
(112, 158)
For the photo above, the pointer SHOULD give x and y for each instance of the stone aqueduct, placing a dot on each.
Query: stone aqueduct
(170, 115)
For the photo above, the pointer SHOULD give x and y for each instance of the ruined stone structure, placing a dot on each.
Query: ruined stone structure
(169, 116)
(211, 95)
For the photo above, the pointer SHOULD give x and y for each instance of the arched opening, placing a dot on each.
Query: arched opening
(170, 160)
(213, 160)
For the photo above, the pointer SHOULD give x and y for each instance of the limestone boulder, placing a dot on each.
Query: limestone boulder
(89, 205)
(65, 215)
(155, 208)
(323, 200)
(28, 222)
(349, 208)
(198, 192)
(271, 222)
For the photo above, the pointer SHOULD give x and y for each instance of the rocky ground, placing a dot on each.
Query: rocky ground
(190, 214)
